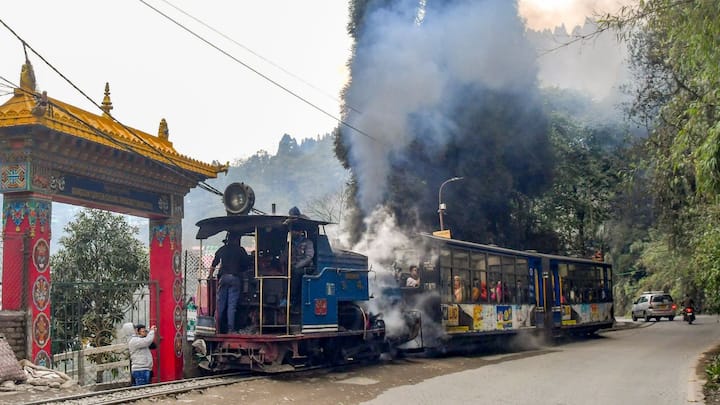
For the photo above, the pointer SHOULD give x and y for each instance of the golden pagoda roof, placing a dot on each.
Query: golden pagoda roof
(28, 107)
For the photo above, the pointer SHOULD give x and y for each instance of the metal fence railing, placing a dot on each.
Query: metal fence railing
(96, 365)
(197, 265)
(92, 350)
(87, 343)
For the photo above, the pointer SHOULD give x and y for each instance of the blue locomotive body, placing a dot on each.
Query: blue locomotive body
(327, 324)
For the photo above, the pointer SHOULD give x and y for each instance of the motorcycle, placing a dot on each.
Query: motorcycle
(689, 315)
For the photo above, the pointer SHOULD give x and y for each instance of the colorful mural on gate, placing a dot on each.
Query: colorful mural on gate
(165, 248)
(13, 177)
(29, 218)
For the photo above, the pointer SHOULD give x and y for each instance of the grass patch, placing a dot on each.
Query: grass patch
(712, 370)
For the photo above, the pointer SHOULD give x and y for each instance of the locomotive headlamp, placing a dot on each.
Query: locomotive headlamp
(238, 198)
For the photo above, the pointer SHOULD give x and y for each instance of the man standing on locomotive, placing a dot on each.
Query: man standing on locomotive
(233, 260)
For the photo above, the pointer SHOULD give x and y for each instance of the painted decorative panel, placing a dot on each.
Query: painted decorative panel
(14, 177)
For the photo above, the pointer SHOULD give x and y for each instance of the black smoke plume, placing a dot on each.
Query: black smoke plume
(445, 89)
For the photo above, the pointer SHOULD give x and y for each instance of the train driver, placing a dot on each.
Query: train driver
(303, 253)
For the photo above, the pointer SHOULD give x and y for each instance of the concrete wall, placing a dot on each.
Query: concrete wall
(12, 327)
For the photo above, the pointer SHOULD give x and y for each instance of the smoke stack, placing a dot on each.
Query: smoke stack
(273, 208)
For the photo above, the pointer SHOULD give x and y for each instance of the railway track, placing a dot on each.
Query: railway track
(130, 394)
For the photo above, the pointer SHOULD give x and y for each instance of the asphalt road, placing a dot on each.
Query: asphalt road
(647, 363)
(651, 364)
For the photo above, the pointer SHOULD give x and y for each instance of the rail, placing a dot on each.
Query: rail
(131, 394)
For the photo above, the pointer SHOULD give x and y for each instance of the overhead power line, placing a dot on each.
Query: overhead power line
(116, 142)
(213, 29)
(257, 72)
(171, 163)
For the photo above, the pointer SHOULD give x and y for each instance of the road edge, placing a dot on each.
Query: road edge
(697, 381)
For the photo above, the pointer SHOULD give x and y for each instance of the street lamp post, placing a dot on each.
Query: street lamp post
(441, 205)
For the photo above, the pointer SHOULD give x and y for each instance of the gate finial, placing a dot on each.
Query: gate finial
(27, 77)
(163, 131)
(107, 104)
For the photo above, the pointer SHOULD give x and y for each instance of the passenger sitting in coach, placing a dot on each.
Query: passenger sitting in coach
(458, 289)
(413, 279)
(479, 291)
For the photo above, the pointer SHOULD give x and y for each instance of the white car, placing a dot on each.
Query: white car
(654, 304)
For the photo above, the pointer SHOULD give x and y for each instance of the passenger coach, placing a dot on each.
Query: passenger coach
(484, 290)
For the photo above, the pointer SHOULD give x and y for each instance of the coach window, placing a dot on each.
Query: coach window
(461, 268)
(608, 283)
(494, 279)
(585, 281)
(446, 275)
(596, 272)
(600, 293)
(508, 278)
(479, 277)
(578, 288)
(521, 281)
(566, 284)
(590, 283)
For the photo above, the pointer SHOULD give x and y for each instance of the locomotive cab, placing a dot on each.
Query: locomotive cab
(267, 303)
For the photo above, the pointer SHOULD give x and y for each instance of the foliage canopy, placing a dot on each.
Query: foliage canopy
(99, 249)
(676, 59)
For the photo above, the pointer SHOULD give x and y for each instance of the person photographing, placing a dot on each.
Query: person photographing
(141, 360)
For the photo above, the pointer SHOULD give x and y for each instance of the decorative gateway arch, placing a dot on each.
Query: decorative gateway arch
(52, 151)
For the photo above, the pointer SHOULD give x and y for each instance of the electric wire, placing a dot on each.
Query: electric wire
(173, 165)
(270, 62)
(267, 78)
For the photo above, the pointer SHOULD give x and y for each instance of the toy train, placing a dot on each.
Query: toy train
(330, 322)
(467, 295)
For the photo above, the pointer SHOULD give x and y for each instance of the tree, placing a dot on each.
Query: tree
(329, 207)
(586, 182)
(99, 249)
(675, 54)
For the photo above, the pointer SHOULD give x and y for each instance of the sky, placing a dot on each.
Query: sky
(218, 107)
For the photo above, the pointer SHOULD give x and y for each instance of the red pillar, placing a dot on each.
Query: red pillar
(165, 261)
(26, 267)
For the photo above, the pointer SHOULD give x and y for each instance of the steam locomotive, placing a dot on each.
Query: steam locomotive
(468, 296)
(330, 323)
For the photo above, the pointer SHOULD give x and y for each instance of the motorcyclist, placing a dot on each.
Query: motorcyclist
(688, 302)
(688, 315)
